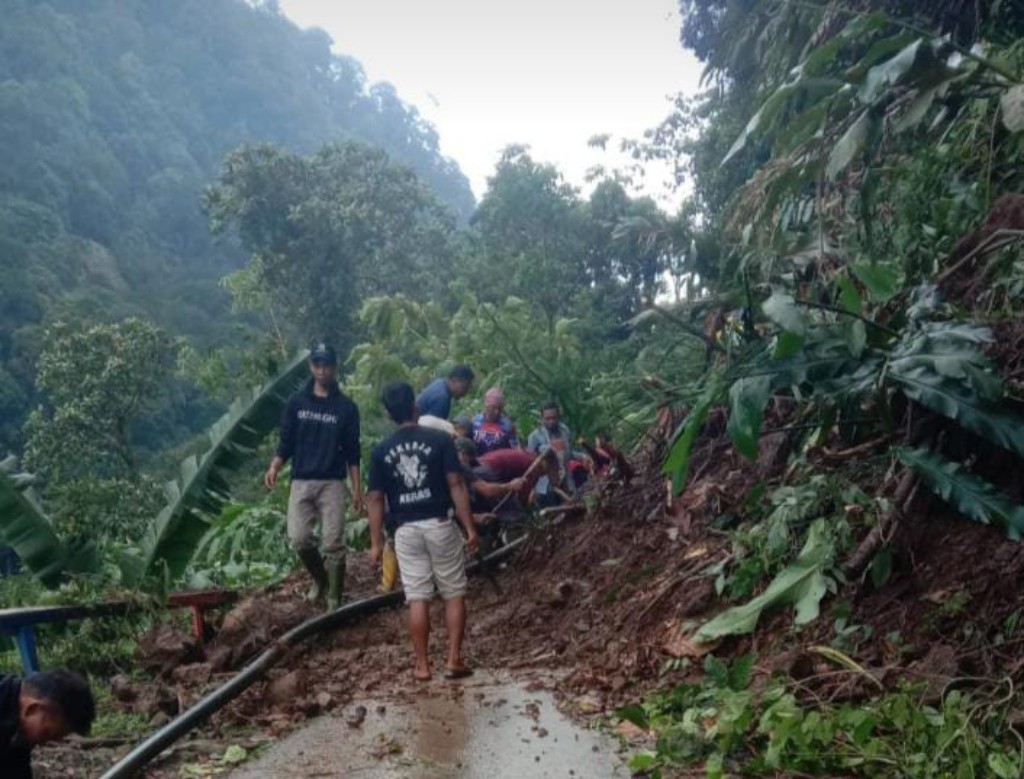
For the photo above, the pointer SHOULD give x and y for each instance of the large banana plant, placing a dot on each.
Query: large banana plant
(203, 487)
(26, 529)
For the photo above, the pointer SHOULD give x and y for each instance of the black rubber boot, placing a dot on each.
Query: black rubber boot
(315, 565)
(335, 583)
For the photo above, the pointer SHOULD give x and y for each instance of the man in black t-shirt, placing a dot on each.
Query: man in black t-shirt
(415, 474)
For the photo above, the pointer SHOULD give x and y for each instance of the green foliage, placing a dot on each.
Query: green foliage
(245, 546)
(114, 117)
(970, 495)
(747, 399)
(104, 511)
(725, 726)
(802, 584)
(204, 487)
(530, 224)
(95, 646)
(113, 723)
(762, 545)
(25, 528)
(603, 258)
(328, 230)
(840, 156)
(677, 462)
(508, 344)
(941, 368)
(99, 382)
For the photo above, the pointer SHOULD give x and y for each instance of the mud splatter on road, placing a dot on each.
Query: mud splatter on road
(481, 728)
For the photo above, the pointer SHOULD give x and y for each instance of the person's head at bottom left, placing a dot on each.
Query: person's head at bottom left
(54, 704)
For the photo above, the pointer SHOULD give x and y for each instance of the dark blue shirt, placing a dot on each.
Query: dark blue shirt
(320, 435)
(15, 754)
(436, 399)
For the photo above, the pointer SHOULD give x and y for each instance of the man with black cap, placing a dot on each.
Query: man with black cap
(320, 435)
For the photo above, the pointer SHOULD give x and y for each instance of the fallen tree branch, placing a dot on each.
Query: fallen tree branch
(834, 456)
(686, 327)
(1004, 236)
(845, 312)
(873, 541)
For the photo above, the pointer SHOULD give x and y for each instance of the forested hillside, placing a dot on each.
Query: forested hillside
(802, 563)
(114, 115)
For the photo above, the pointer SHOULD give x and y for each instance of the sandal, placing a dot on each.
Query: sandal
(458, 673)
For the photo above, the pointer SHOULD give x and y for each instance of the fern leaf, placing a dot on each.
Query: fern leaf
(970, 495)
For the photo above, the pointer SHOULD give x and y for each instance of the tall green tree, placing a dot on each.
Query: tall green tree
(114, 115)
(530, 224)
(98, 383)
(625, 253)
(327, 230)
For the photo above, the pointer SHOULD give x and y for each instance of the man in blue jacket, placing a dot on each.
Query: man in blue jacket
(436, 398)
(320, 435)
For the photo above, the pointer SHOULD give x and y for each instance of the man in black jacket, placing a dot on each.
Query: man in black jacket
(320, 435)
(41, 708)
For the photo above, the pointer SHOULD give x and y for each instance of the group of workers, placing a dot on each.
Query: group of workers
(435, 486)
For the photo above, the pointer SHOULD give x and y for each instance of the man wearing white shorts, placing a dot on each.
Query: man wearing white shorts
(415, 474)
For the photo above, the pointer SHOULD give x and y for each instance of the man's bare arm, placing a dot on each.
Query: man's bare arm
(375, 512)
(492, 490)
(355, 479)
(271, 476)
(460, 497)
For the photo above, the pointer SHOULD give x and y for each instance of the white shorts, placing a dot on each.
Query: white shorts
(431, 552)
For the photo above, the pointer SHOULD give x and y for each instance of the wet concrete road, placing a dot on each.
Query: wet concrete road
(481, 728)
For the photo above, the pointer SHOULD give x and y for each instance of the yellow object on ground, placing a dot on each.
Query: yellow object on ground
(388, 569)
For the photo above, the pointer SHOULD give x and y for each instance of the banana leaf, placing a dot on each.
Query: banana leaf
(802, 583)
(26, 529)
(203, 488)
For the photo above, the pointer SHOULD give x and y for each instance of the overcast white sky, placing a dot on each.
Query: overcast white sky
(548, 73)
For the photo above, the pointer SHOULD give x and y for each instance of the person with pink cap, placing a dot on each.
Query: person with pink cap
(493, 430)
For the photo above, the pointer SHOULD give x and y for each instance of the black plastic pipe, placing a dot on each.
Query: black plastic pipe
(227, 692)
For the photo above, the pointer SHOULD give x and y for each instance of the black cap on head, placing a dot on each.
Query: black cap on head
(323, 353)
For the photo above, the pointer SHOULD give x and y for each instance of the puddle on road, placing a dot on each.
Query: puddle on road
(481, 728)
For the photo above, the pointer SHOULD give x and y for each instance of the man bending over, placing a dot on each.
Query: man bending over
(415, 473)
(42, 707)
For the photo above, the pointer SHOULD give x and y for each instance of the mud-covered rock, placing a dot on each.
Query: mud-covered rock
(164, 649)
(287, 689)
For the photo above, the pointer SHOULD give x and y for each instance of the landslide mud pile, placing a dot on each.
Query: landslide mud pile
(597, 606)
